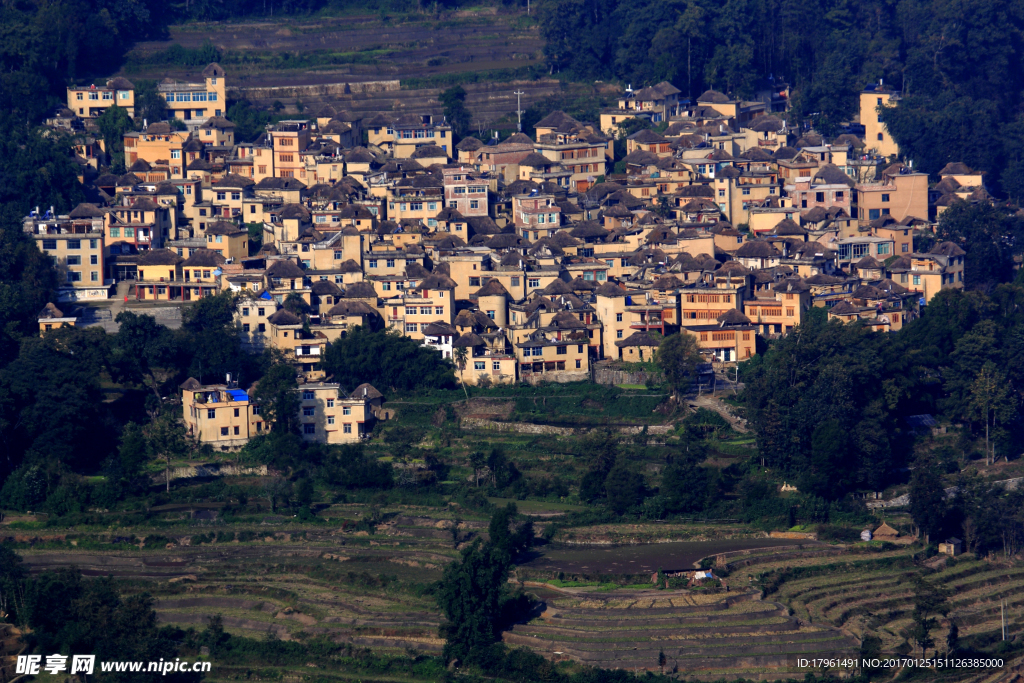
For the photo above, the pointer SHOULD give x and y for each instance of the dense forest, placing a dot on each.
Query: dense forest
(960, 65)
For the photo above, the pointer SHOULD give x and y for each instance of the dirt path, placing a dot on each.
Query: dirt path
(716, 404)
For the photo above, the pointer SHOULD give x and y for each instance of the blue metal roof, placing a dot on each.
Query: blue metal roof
(238, 395)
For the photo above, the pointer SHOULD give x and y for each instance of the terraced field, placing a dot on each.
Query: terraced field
(700, 635)
(873, 593)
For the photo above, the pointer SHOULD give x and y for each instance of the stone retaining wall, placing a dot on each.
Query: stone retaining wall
(214, 470)
(324, 90)
(530, 428)
(606, 375)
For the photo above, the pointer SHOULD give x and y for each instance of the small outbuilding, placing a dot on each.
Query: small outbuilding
(952, 547)
(886, 533)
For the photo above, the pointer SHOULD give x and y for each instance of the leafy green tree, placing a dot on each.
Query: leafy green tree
(255, 237)
(927, 498)
(387, 360)
(509, 535)
(142, 350)
(113, 124)
(455, 111)
(990, 402)
(684, 484)
(980, 230)
(165, 437)
(624, 487)
(679, 358)
(461, 357)
(277, 397)
(470, 595)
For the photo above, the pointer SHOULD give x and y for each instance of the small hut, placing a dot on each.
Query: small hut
(886, 533)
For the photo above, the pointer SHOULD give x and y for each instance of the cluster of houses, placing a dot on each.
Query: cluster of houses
(539, 255)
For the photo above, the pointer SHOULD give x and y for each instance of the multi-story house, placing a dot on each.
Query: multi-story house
(227, 239)
(876, 135)
(466, 192)
(828, 187)
(197, 100)
(227, 417)
(220, 415)
(655, 103)
(408, 133)
(90, 102)
(418, 198)
(288, 140)
(779, 309)
(138, 221)
(76, 244)
(579, 151)
(899, 194)
(159, 143)
(327, 414)
(928, 274)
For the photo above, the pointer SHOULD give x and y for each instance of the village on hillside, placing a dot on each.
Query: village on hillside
(536, 258)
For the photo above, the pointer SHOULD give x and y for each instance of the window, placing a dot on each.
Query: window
(347, 429)
(474, 282)
(245, 327)
(94, 260)
(309, 411)
(840, 196)
(211, 413)
(474, 204)
(883, 249)
(95, 276)
(93, 243)
(52, 244)
(906, 248)
(495, 365)
(411, 327)
(515, 281)
(307, 395)
(223, 431)
(618, 334)
(74, 244)
(479, 365)
(425, 310)
(819, 196)
(885, 197)
(391, 263)
(74, 277)
(873, 214)
(917, 279)
(74, 260)
(330, 419)
(562, 350)
(260, 311)
(129, 232)
(721, 193)
(175, 153)
(746, 191)
(618, 317)
(879, 136)
(578, 363)
(262, 327)
(373, 263)
(309, 428)
(533, 282)
(438, 310)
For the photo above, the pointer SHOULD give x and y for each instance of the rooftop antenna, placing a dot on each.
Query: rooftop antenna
(519, 94)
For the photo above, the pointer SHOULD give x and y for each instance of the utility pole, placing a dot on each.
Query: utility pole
(519, 108)
(1002, 605)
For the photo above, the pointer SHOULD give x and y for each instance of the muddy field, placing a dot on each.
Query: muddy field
(635, 559)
